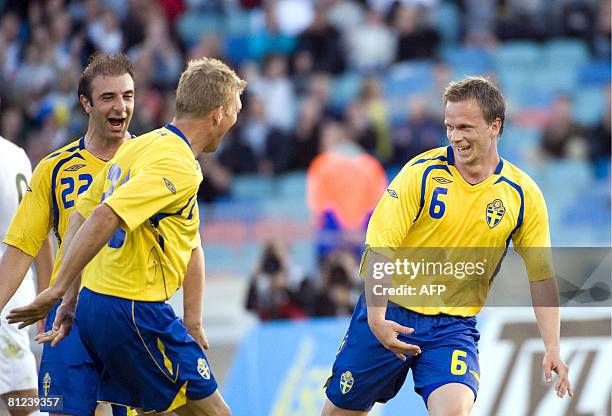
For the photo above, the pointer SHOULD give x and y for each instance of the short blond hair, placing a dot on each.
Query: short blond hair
(205, 85)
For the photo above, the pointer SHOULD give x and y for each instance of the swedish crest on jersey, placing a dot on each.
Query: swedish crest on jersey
(346, 382)
(495, 212)
(203, 368)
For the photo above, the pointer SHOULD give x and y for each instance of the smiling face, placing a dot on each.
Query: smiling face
(473, 139)
(111, 106)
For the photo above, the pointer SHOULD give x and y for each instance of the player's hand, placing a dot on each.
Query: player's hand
(35, 311)
(64, 318)
(387, 333)
(197, 332)
(553, 362)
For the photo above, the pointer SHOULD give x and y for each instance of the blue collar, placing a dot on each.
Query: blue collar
(179, 133)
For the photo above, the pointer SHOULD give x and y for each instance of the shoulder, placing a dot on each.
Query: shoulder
(519, 177)
(423, 162)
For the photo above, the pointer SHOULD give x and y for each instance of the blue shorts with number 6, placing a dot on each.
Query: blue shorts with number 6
(365, 372)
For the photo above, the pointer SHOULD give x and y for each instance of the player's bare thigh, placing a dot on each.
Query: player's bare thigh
(20, 394)
(452, 399)
(213, 405)
(332, 410)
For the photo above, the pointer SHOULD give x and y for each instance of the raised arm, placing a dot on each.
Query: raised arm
(96, 231)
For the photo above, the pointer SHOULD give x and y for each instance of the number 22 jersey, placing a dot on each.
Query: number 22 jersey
(48, 203)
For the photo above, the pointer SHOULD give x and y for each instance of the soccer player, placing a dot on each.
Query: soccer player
(463, 195)
(140, 220)
(106, 93)
(17, 363)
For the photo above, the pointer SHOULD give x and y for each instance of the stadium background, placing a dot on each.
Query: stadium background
(360, 80)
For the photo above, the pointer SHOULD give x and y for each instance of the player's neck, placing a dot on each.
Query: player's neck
(479, 172)
(196, 132)
(101, 147)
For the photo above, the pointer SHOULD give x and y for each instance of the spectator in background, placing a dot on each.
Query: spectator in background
(563, 136)
(339, 285)
(420, 132)
(256, 146)
(345, 14)
(306, 133)
(359, 126)
(415, 38)
(275, 91)
(319, 47)
(370, 44)
(343, 185)
(165, 57)
(599, 140)
(217, 179)
(602, 35)
(267, 37)
(104, 32)
(275, 284)
(11, 45)
(378, 115)
(11, 124)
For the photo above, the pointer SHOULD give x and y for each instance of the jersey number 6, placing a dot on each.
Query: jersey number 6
(437, 207)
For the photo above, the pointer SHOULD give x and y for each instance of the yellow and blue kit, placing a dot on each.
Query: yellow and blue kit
(67, 369)
(143, 351)
(430, 205)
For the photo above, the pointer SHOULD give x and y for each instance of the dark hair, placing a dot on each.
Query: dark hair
(484, 92)
(100, 64)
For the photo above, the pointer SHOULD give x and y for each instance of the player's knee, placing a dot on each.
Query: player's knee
(454, 408)
(331, 410)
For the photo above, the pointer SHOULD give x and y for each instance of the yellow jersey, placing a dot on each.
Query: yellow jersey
(151, 184)
(430, 207)
(51, 197)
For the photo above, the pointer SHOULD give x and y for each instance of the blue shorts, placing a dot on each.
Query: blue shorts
(143, 353)
(67, 370)
(365, 372)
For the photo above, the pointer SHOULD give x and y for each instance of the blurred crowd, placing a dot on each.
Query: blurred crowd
(316, 71)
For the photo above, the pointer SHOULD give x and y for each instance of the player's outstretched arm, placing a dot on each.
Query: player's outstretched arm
(13, 268)
(385, 331)
(545, 298)
(193, 296)
(43, 262)
(91, 237)
(64, 316)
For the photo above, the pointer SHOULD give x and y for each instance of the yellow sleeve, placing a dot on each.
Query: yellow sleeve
(532, 239)
(33, 220)
(395, 212)
(159, 182)
(92, 197)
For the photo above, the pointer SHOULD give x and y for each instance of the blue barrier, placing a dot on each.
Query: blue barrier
(281, 367)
